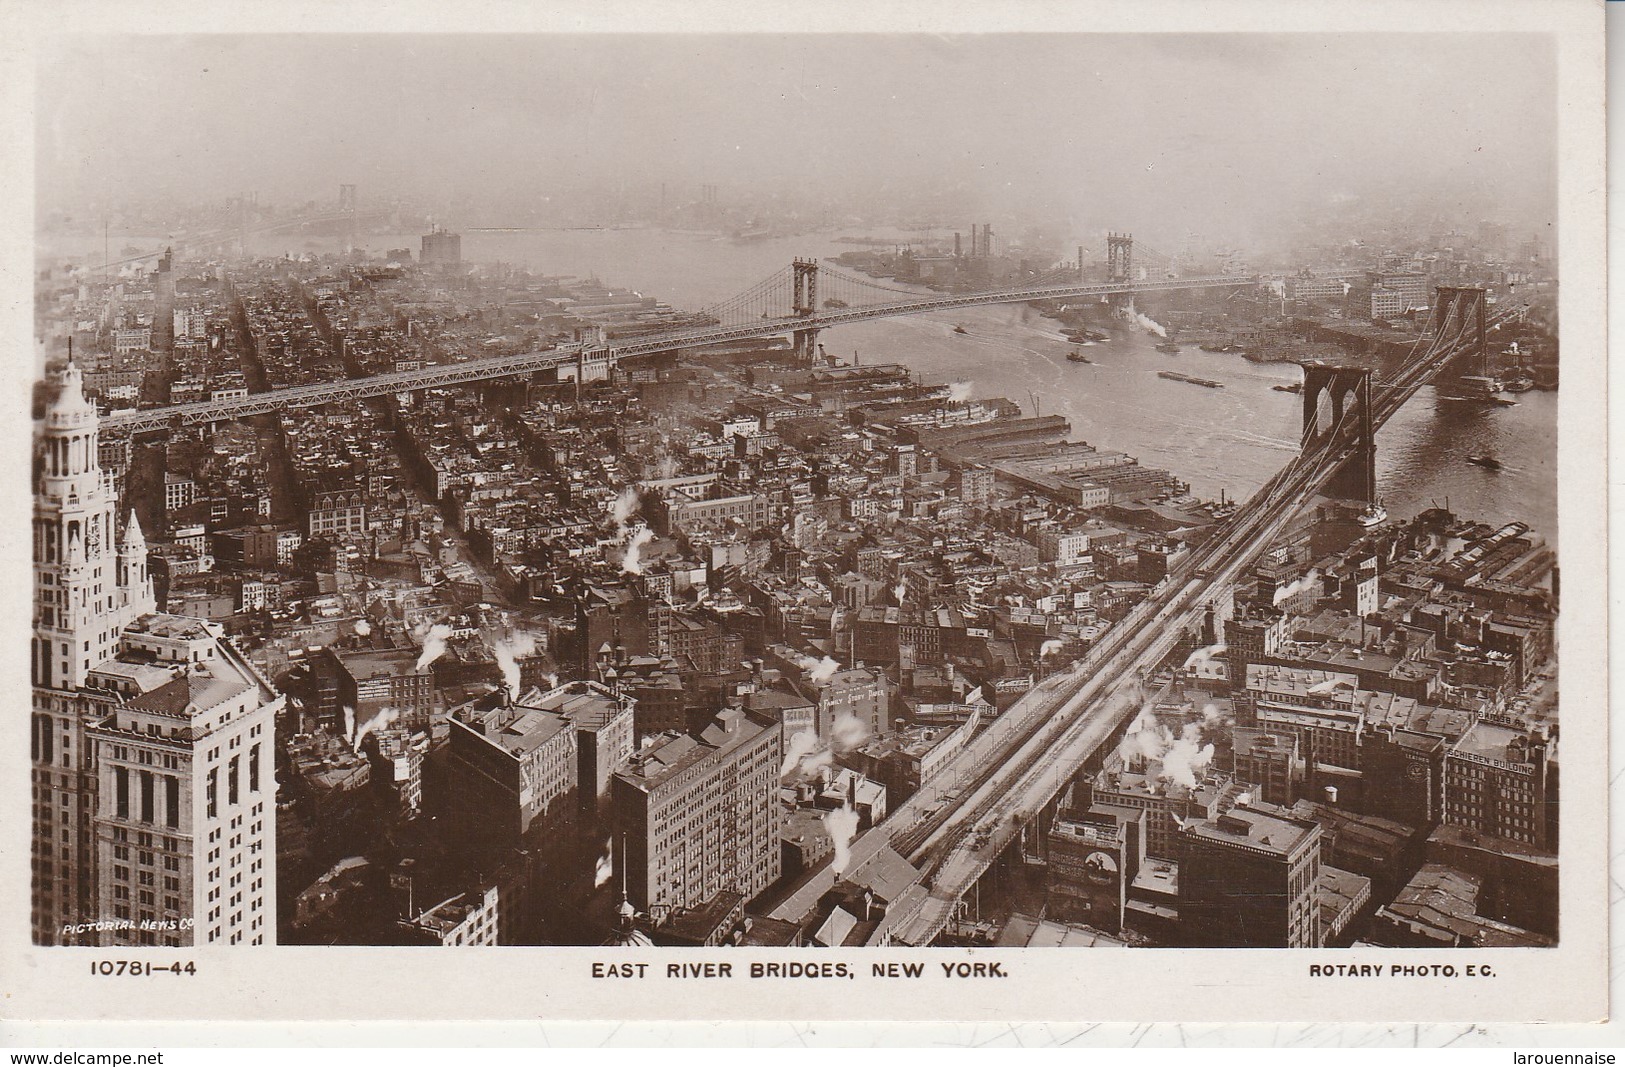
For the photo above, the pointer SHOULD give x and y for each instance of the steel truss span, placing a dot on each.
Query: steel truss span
(594, 356)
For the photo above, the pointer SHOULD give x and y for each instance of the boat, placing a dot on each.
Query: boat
(1175, 376)
(1291, 387)
(1168, 347)
(1373, 514)
(1075, 356)
(960, 329)
(1489, 463)
(1519, 383)
(834, 302)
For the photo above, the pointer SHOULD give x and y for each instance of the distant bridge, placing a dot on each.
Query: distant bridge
(739, 320)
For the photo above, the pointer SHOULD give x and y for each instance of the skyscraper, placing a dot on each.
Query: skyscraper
(153, 770)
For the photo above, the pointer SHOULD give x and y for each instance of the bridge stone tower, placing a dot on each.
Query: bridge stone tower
(1331, 394)
(804, 302)
(1120, 268)
(1459, 311)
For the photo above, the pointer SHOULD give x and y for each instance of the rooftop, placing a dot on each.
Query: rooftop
(1254, 829)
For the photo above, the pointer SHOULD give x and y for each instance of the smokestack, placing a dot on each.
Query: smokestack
(1331, 794)
(956, 244)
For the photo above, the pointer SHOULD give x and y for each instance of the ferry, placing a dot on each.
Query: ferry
(1168, 347)
(1489, 463)
(1373, 515)
(1175, 376)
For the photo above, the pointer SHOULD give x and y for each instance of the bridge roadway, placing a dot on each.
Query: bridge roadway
(586, 357)
(954, 829)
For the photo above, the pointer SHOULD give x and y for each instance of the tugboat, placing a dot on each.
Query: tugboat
(1373, 514)
(1489, 463)
(959, 328)
(1075, 356)
(1168, 347)
(1290, 387)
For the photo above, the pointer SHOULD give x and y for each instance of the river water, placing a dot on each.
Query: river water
(1230, 439)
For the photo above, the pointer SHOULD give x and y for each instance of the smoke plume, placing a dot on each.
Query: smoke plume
(434, 644)
(1186, 757)
(1150, 325)
(605, 868)
(362, 627)
(623, 507)
(959, 392)
(841, 825)
(1049, 648)
(848, 731)
(380, 721)
(1202, 656)
(802, 743)
(630, 563)
(1296, 586)
(509, 650)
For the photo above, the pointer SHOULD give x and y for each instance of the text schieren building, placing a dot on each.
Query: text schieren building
(154, 791)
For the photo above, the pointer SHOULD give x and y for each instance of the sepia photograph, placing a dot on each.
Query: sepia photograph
(754, 506)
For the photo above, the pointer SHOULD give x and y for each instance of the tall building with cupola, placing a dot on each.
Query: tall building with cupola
(151, 736)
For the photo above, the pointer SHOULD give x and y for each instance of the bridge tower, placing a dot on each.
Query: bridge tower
(804, 302)
(347, 208)
(1120, 268)
(1331, 397)
(1459, 311)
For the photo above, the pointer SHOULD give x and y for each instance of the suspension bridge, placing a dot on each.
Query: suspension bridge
(997, 787)
(799, 300)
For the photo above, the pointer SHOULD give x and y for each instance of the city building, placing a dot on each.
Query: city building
(440, 248)
(1495, 782)
(1093, 859)
(700, 812)
(154, 785)
(513, 769)
(1247, 880)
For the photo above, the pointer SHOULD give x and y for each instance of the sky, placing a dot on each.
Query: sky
(1205, 132)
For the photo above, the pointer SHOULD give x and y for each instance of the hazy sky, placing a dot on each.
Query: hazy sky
(1206, 132)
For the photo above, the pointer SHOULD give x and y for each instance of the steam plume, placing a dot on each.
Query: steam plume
(509, 650)
(380, 721)
(605, 867)
(959, 392)
(1150, 325)
(841, 825)
(434, 644)
(623, 506)
(630, 563)
(848, 731)
(1296, 586)
(802, 743)
(1203, 656)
